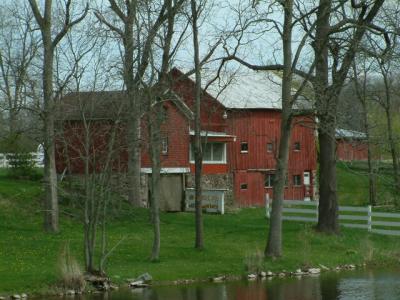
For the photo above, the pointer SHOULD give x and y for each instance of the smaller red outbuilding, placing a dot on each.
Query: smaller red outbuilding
(351, 145)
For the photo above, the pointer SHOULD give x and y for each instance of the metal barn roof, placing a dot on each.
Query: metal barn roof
(247, 89)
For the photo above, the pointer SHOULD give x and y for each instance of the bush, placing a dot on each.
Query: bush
(22, 166)
(70, 272)
(254, 262)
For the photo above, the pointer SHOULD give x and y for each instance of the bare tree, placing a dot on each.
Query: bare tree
(50, 42)
(360, 83)
(18, 50)
(138, 36)
(327, 89)
(155, 96)
(289, 111)
(198, 154)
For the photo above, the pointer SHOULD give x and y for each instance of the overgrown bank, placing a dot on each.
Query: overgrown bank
(28, 256)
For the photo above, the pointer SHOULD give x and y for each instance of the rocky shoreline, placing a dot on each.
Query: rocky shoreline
(104, 284)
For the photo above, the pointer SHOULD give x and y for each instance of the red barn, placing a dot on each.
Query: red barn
(247, 107)
(240, 129)
(351, 145)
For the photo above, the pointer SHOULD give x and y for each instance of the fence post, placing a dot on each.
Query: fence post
(317, 210)
(267, 214)
(369, 207)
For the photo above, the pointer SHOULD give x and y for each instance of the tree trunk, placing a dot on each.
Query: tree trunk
(274, 244)
(328, 207)
(198, 154)
(134, 157)
(134, 149)
(154, 128)
(326, 109)
(51, 223)
(392, 140)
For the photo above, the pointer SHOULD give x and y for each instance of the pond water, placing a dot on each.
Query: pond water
(363, 285)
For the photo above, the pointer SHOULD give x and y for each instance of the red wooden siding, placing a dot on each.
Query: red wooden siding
(70, 148)
(348, 150)
(176, 129)
(211, 110)
(258, 128)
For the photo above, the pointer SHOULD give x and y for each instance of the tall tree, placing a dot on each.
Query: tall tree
(138, 37)
(198, 153)
(50, 42)
(156, 115)
(360, 84)
(18, 50)
(289, 111)
(328, 87)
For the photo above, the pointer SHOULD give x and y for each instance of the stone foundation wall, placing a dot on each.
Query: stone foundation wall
(215, 181)
(119, 184)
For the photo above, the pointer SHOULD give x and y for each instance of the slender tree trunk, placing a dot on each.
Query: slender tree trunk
(392, 141)
(274, 244)
(154, 126)
(51, 223)
(198, 154)
(134, 149)
(371, 176)
(371, 173)
(134, 152)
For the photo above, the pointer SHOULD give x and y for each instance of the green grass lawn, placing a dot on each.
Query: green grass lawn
(28, 256)
(353, 184)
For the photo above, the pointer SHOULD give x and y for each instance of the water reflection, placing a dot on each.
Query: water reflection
(344, 286)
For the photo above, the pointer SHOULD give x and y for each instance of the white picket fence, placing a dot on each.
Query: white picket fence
(349, 216)
(37, 157)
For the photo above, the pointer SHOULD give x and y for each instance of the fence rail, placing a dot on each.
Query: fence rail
(349, 216)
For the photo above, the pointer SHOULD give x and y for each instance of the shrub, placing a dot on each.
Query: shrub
(22, 166)
(254, 262)
(70, 272)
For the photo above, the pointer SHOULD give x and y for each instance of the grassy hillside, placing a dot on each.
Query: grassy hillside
(353, 186)
(28, 256)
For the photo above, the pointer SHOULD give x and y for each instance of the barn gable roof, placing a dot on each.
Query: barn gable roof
(247, 89)
(350, 134)
(106, 105)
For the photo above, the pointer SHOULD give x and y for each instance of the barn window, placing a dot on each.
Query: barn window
(270, 147)
(243, 186)
(164, 145)
(269, 180)
(212, 153)
(164, 114)
(297, 180)
(296, 146)
(244, 147)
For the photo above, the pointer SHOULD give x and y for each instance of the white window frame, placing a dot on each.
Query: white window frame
(271, 183)
(272, 147)
(244, 143)
(210, 162)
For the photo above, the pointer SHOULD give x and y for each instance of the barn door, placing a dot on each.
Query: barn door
(171, 188)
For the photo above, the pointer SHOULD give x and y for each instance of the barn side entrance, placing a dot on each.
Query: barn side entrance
(171, 186)
(172, 183)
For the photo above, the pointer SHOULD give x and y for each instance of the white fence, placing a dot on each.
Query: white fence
(349, 216)
(36, 156)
